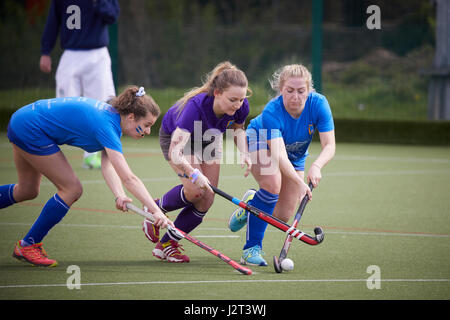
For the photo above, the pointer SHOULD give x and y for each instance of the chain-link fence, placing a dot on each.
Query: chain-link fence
(371, 73)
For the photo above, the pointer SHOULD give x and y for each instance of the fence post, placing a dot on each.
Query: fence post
(114, 52)
(439, 86)
(316, 44)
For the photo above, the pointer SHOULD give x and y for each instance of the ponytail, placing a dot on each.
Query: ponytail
(224, 75)
(134, 100)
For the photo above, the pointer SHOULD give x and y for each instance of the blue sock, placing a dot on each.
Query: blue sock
(6, 195)
(256, 227)
(54, 210)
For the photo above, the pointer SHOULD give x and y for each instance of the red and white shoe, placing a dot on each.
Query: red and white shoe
(170, 251)
(151, 231)
(34, 254)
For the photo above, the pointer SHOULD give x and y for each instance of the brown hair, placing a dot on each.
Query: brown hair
(223, 76)
(128, 102)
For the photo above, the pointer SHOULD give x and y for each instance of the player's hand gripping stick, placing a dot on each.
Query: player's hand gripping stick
(277, 223)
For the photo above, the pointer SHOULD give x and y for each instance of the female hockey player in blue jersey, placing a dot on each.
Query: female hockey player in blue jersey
(278, 140)
(36, 131)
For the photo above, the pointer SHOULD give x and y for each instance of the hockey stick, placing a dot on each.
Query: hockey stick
(277, 223)
(204, 246)
(287, 243)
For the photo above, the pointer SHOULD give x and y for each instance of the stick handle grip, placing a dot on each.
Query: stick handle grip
(141, 212)
(150, 217)
(305, 200)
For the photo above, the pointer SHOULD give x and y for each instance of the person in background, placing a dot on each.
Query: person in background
(84, 68)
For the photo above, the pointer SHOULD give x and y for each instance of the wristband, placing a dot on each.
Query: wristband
(194, 175)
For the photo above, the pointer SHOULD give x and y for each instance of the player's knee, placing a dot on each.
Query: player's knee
(206, 201)
(270, 183)
(28, 193)
(272, 186)
(74, 191)
(194, 194)
(78, 191)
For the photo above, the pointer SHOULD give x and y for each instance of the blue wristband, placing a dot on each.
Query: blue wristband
(194, 175)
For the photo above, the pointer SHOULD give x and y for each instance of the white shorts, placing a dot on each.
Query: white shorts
(85, 73)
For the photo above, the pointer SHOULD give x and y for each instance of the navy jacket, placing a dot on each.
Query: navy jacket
(82, 24)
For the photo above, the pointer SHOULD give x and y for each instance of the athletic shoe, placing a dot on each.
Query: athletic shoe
(239, 217)
(170, 251)
(151, 231)
(93, 161)
(34, 254)
(253, 256)
(43, 252)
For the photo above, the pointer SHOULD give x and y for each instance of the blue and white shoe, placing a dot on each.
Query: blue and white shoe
(239, 217)
(253, 256)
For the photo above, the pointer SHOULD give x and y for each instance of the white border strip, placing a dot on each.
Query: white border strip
(218, 281)
(327, 232)
(328, 174)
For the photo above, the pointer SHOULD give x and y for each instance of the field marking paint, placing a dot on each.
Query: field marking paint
(114, 227)
(130, 149)
(219, 281)
(412, 234)
(353, 231)
(214, 236)
(386, 173)
(350, 231)
(134, 152)
(328, 174)
(153, 151)
(389, 159)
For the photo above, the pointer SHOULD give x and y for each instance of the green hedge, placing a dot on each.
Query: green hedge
(397, 132)
(350, 130)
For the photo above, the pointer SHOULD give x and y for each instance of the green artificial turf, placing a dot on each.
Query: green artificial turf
(379, 205)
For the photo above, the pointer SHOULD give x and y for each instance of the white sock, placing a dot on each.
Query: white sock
(23, 243)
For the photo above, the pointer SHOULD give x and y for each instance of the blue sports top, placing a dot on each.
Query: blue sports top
(77, 121)
(296, 133)
(82, 24)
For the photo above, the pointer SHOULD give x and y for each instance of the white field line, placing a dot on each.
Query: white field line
(337, 157)
(232, 152)
(399, 234)
(245, 282)
(112, 227)
(328, 174)
(327, 232)
(390, 159)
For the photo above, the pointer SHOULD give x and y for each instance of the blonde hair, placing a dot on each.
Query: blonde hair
(223, 76)
(128, 102)
(291, 71)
